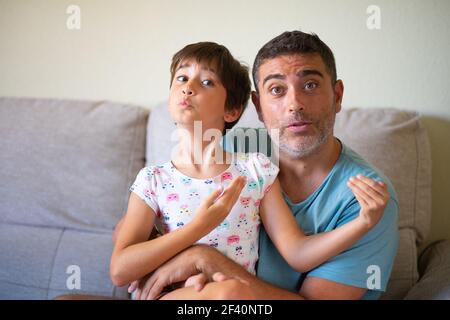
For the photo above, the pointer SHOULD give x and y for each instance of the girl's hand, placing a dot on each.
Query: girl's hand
(372, 196)
(217, 206)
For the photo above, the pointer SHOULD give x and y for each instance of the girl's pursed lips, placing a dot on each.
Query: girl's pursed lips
(185, 103)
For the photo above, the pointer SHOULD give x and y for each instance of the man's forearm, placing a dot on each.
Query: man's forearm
(212, 261)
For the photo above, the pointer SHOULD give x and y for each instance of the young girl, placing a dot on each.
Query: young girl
(209, 87)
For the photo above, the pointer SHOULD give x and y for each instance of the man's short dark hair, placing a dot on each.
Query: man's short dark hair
(233, 74)
(291, 43)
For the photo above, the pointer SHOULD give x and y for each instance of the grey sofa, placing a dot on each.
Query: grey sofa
(65, 169)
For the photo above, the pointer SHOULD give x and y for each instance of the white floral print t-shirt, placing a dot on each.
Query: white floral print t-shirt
(174, 197)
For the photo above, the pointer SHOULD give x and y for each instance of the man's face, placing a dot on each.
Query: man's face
(297, 97)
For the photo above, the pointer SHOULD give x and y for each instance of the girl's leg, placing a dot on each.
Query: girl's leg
(225, 290)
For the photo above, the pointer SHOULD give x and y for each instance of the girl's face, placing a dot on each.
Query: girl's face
(197, 94)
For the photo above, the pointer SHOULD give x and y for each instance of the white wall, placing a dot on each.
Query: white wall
(122, 52)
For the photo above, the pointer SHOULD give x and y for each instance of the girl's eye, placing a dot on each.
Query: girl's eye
(181, 78)
(275, 90)
(207, 83)
(310, 86)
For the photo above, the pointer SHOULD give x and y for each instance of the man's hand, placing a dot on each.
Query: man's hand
(200, 280)
(372, 196)
(176, 270)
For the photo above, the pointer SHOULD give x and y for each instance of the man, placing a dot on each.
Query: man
(297, 92)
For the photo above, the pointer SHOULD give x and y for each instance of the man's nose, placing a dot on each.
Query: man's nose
(295, 102)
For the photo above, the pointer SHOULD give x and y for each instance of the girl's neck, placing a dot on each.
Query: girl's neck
(196, 157)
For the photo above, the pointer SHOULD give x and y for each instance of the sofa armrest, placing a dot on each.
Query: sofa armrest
(434, 267)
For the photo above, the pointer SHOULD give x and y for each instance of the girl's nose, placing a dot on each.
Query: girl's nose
(187, 91)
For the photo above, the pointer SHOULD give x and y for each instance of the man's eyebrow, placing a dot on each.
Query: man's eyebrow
(301, 74)
(307, 72)
(274, 76)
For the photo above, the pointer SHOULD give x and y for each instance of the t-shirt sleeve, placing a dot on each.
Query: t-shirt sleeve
(266, 171)
(368, 263)
(145, 187)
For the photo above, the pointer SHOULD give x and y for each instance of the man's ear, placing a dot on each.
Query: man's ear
(338, 94)
(256, 103)
(233, 114)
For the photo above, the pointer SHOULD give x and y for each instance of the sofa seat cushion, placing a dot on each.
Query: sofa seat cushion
(42, 263)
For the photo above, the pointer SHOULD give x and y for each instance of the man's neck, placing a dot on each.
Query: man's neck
(299, 178)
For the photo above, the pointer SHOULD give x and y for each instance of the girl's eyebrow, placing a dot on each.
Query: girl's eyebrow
(187, 65)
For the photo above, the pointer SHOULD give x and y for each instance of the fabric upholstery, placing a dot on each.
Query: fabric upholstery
(404, 273)
(66, 167)
(68, 163)
(35, 262)
(65, 170)
(396, 143)
(434, 265)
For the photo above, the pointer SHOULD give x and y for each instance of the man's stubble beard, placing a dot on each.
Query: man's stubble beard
(309, 145)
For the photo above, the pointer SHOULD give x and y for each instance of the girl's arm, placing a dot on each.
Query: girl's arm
(304, 253)
(134, 256)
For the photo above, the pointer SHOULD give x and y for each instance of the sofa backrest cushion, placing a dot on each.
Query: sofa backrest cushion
(393, 140)
(68, 163)
(396, 143)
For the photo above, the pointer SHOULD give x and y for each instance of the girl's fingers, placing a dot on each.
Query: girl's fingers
(377, 186)
(233, 191)
(359, 194)
(209, 201)
(365, 190)
(378, 194)
(238, 190)
(228, 196)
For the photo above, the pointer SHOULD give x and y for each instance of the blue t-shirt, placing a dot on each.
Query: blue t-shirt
(368, 263)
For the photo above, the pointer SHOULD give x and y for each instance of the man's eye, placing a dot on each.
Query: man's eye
(207, 83)
(275, 90)
(310, 86)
